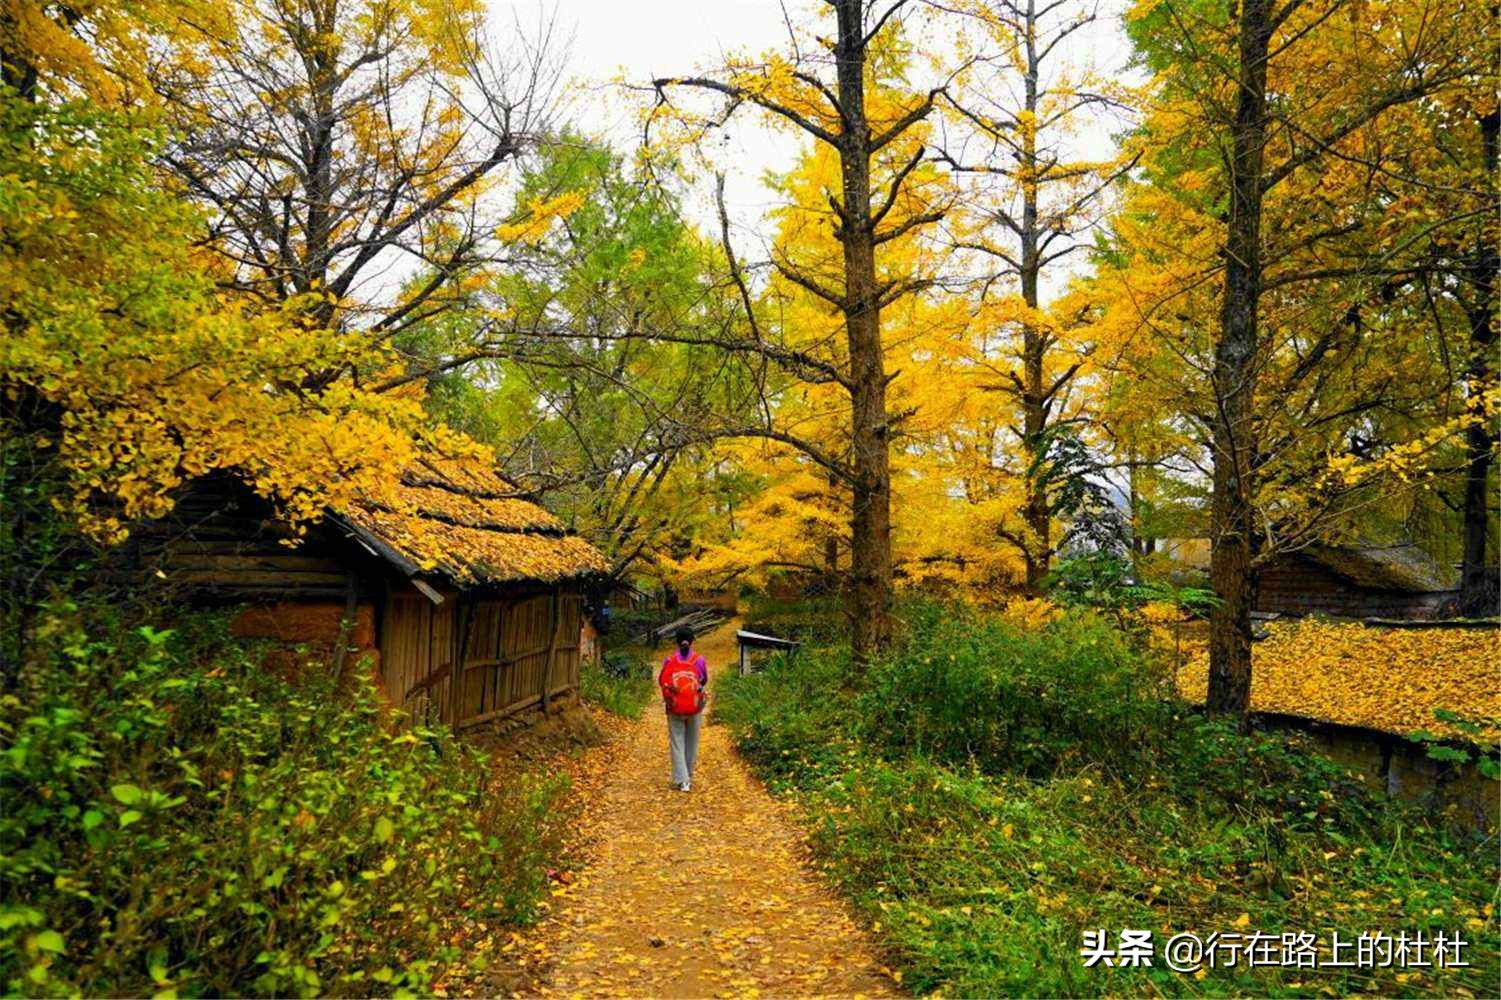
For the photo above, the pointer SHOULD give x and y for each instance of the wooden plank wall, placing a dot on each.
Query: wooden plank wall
(416, 639)
(505, 659)
(221, 542)
(570, 635)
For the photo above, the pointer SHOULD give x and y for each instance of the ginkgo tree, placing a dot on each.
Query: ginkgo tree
(125, 369)
(96, 50)
(1466, 138)
(839, 85)
(588, 360)
(336, 147)
(799, 518)
(130, 337)
(149, 376)
(1265, 280)
(1013, 136)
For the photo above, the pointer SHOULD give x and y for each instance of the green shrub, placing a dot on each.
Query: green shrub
(178, 818)
(624, 625)
(1479, 746)
(963, 688)
(621, 685)
(795, 716)
(981, 828)
(983, 886)
(1109, 582)
(815, 620)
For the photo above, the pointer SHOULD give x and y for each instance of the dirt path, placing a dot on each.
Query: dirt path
(701, 894)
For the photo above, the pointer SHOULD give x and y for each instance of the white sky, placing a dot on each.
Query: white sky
(637, 40)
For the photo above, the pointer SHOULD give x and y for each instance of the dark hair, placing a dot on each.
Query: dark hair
(683, 635)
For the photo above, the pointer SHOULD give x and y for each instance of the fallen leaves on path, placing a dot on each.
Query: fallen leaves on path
(708, 893)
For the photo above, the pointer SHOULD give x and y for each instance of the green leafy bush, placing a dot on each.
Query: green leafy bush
(1479, 746)
(980, 885)
(795, 716)
(180, 819)
(621, 685)
(1108, 581)
(814, 619)
(965, 688)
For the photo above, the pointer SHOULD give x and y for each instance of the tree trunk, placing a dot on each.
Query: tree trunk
(1142, 545)
(1477, 594)
(1231, 563)
(870, 542)
(318, 141)
(1037, 512)
(834, 583)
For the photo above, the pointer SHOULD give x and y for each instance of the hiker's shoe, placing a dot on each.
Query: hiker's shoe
(686, 786)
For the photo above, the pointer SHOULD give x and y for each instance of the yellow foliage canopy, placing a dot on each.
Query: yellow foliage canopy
(122, 354)
(941, 532)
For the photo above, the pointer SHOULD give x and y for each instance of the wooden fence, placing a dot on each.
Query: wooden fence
(513, 653)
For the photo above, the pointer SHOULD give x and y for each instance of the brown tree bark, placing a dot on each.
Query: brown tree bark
(831, 549)
(859, 300)
(1231, 563)
(1477, 591)
(1037, 512)
(870, 536)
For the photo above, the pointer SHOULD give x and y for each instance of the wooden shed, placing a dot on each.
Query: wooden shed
(1392, 581)
(468, 599)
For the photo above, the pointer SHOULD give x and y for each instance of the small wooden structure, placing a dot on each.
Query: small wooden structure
(755, 640)
(468, 599)
(1393, 581)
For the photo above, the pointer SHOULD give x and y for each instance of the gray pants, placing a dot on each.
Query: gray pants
(682, 742)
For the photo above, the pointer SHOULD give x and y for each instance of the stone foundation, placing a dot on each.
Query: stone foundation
(1403, 769)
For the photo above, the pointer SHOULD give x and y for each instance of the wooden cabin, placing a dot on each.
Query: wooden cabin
(467, 598)
(1393, 581)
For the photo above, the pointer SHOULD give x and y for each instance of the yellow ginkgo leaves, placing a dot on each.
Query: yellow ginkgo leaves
(124, 359)
(1390, 679)
(539, 217)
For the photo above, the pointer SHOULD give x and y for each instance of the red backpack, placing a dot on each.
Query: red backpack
(681, 688)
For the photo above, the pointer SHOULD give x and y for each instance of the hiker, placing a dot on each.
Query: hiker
(684, 681)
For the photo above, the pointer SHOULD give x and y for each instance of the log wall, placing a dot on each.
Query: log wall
(221, 543)
(474, 657)
(1298, 587)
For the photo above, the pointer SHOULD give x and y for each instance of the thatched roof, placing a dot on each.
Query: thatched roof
(460, 521)
(1405, 567)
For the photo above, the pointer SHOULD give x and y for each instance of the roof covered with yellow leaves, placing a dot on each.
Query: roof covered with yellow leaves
(459, 520)
(1404, 567)
(1391, 679)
